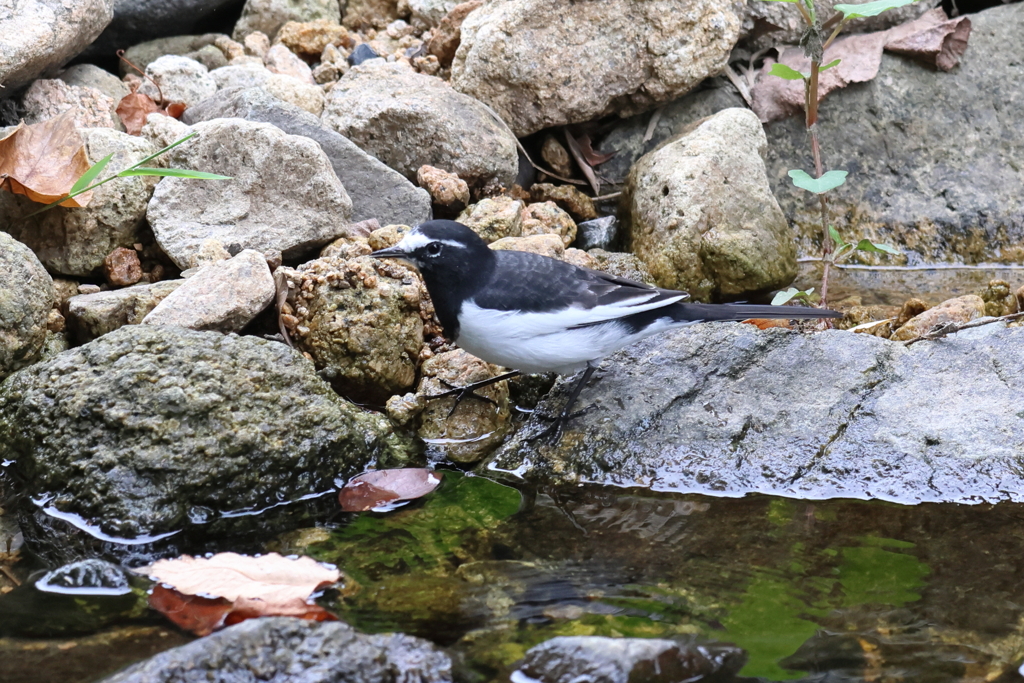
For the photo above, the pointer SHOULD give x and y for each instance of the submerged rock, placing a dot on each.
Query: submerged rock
(287, 649)
(540, 63)
(703, 216)
(570, 659)
(142, 429)
(728, 409)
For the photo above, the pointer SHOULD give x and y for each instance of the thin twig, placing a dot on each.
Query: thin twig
(613, 195)
(737, 82)
(526, 154)
(653, 123)
(7, 572)
(577, 154)
(951, 328)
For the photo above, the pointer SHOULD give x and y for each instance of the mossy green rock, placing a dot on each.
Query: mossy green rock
(148, 426)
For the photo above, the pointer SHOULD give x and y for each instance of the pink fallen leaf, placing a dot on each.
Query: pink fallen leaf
(227, 588)
(379, 488)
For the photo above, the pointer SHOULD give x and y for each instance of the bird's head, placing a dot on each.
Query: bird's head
(442, 251)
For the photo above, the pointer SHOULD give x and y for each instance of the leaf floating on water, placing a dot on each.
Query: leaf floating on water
(202, 594)
(43, 161)
(379, 488)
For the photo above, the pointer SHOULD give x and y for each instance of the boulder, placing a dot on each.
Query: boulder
(93, 315)
(268, 16)
(76, 241)
(408, 119)
(40, 36)
(224, 296)
(147, 427)
(494, 218)
(283, 194)
(139, 20)
(541, 64)
(376, 191)
(289, 649)
(149, 51)
(703, 216)
(545, 218)
(26, 299)
(727, 409)
(91, 76)
(46, 98)
(280, 60)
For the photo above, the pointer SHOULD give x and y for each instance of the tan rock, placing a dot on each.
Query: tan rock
(256, 44)
(545, 245)
(388, 236)
(555, 155)
(621, 264)
(93, 315)
(447, 191)
(579, 205)
(580, 258)
(999, 299)
(309, 39)
(346, 248)
(232, 49)
(210, 251)
(476, 427)
(122, 268)
(280, 60)
(959, 310)
(545, 218)
(47, 98)
(494, 218)
(366, 14)
(446, 37)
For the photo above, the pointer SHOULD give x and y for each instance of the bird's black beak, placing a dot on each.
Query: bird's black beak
(390, 252)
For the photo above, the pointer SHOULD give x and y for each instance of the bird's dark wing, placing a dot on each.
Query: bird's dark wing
(537, 284)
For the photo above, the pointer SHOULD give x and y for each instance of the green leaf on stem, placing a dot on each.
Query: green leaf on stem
(173, 173)
(834, 62)
(868, 245)
(794, 293)
(870, 9)
(790, 74)
(90, 175)
(828, 181)
(836, 238)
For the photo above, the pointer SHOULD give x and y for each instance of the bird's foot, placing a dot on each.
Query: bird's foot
(553, 432)
(460, 394)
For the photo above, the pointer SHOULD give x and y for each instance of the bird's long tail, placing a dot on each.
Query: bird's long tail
(683, 312)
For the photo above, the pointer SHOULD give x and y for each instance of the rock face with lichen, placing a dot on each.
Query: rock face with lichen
(703, 217)
(138, 430)
(362, 321)
(540, 63)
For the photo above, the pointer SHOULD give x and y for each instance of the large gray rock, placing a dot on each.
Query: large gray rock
(408, 119)
(954, 199)
(540, 63)
(46, 98)
(594, 659)
(26, 297)
(268, 16)
(224, 296)
(40, 36)
(728, 409)
(289, 650)
(139, 20)
(147, 427)
(376, 190)
(703, 218)
(75, 241)
(143, 54)
(91, 76)
(93, 315)
(283, 195)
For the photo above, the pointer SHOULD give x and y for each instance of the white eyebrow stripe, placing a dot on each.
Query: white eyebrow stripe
(452, 243)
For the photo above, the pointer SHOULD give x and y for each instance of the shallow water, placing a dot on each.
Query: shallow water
(833, 590)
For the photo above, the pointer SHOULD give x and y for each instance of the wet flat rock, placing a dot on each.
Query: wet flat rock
(287, 650)
(728, 409)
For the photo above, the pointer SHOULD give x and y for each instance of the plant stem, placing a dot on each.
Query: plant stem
(812, 128)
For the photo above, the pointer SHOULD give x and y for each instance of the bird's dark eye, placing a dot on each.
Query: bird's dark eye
(434, 248)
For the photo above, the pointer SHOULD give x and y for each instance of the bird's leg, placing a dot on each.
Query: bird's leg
(469, 391)
(558, 423)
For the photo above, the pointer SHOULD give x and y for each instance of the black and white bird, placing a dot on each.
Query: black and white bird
(531, 313)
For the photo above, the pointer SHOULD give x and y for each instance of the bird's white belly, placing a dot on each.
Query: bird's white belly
(540, 342)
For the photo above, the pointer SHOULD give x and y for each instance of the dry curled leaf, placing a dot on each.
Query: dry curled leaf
(593, 158)
(43, 161)
(133, 110)
(765, 323)
(932, 37)
(202, 594)
(379, 488)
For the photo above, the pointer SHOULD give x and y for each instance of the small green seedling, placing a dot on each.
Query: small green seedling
(793, 294)
(85, 183)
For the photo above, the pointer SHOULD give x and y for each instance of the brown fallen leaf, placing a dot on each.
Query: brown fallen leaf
(378, 488)
(43, 161)
(765, 323)
(133, 110)
(268, 585)
(933, 37)
(775, 98)
(593, 158)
